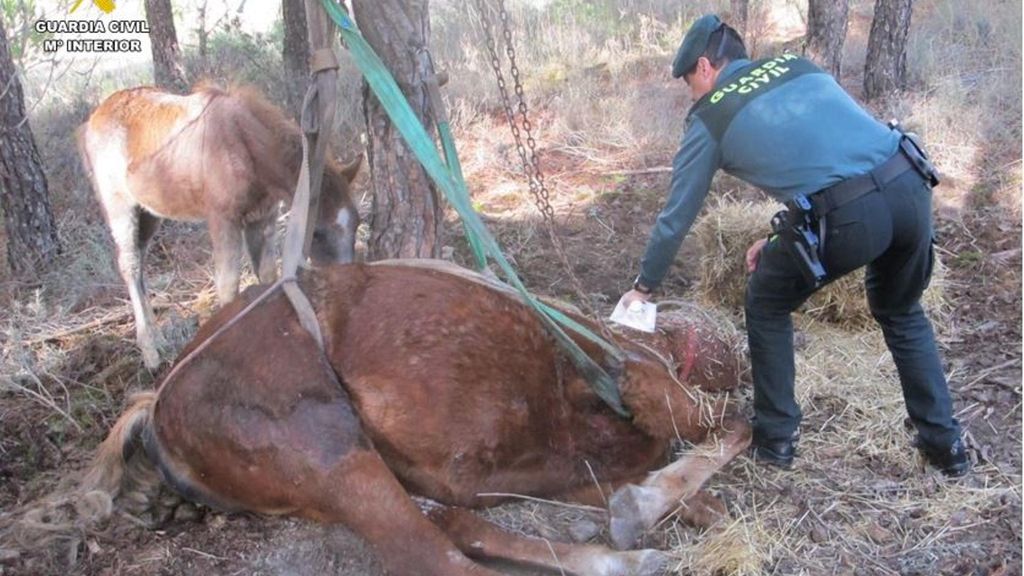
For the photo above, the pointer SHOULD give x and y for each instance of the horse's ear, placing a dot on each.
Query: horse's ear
(349, 171)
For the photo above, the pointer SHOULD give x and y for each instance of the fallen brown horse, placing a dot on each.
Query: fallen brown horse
(433, 382)
(224, 157)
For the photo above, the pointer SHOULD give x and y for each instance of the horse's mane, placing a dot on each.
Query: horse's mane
(275, 120)
(286, 131)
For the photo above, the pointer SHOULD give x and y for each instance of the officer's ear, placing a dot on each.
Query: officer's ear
(699, 69)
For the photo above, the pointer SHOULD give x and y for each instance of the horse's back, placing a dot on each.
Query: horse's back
(184, 157)
(148, 117)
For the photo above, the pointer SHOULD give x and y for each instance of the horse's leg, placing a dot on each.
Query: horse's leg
(364, 495)
(259, 241)
(131, 228)
(634, 509)
(226, 236)
(701, 510)
(478, 538)
(148, 226)
(348, 219)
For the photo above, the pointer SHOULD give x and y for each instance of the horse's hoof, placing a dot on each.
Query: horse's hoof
(627, 521)
(652, 563)
(635, 563)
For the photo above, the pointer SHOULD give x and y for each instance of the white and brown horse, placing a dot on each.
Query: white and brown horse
(433, 382)
(224, 157)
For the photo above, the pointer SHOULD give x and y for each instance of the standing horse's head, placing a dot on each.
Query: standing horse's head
(334, 237)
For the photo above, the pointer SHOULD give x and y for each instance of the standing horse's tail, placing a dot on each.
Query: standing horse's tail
(120, 468)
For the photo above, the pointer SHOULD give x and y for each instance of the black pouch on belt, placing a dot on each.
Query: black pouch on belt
(911, 147)
(795, 229)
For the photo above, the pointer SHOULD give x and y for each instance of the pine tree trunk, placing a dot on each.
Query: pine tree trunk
(886, 66)
(406, 220)
(826, 32)
(740, 10)
(168, 73)
(31, 231)
(295, 54)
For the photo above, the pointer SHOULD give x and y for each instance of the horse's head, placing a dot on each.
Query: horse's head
(334, 237)
(704, 347)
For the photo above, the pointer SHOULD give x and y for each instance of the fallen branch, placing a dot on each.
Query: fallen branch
(653, 170)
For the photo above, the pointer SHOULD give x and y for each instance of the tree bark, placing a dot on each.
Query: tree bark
(168, 72)
(826, 32)
(406, 221)
(886, 66)
(24, 196)
(740, 10)
(295, 54)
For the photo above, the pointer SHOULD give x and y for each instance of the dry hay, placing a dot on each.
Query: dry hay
(723, 234)
(845, 304)
(731, 548)
(728, 229)
(859, 496)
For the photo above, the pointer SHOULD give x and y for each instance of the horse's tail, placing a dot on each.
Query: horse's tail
(70, 514)
(110, 469)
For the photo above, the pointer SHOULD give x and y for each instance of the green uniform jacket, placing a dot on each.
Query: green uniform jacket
(780, 124)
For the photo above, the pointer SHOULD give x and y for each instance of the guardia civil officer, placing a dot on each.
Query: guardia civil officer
(858, 194)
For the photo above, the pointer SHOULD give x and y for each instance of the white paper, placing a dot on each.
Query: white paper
(639, 315)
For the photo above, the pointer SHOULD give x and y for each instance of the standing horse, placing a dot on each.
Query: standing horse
(432, 381)
(226, 157)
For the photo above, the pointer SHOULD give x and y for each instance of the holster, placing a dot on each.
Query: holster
(795, 228)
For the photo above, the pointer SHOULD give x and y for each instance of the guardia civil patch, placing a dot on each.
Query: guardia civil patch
(717, 108)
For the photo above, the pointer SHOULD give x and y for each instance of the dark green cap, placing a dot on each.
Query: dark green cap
(694, 44)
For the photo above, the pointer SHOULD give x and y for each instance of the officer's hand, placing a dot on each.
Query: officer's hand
(634, 295)
(753, 253)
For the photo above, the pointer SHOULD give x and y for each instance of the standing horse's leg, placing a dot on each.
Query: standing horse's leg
(634, 509)
(226, 236)
(348, 220)
(131, 228)
(479, 538)
(259, 240)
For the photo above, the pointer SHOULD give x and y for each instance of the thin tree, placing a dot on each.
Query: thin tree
(406, 219)
(886, 67)
(168, 72)
(826, 32)
(24, 196)
(295, 53)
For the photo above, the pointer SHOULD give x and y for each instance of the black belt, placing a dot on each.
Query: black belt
(828, 199)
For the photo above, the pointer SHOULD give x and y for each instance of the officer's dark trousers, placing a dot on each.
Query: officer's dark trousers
(889, 231)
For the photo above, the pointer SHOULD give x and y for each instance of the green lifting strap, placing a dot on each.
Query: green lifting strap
(449, 180)
(452, 158)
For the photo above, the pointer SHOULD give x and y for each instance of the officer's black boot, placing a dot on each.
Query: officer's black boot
(951, 460)
(775, 452)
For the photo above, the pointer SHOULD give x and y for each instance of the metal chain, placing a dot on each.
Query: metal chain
(531, 163)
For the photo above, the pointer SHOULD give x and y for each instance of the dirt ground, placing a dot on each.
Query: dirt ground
(868, 508)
